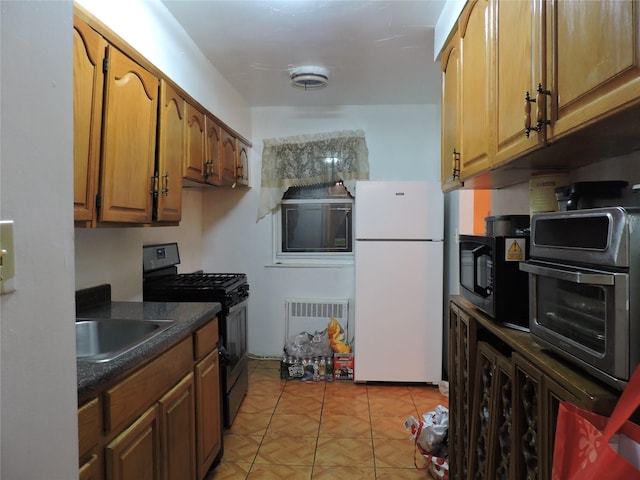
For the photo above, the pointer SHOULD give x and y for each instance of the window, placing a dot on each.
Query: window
(314, 225)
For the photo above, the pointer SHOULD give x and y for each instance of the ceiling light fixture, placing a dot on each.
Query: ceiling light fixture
(309, 77)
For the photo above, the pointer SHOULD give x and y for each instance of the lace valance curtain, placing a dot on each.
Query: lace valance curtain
(310, 160)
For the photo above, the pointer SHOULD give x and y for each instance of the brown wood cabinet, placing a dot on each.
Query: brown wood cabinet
(178, 428)
(242, 168)
(229, 158)
(127, 171)
(213, 147)
(565, 73)
(518, 69)
(128, 141)
(162, 421)
(450, 115)
(476, 88)
(207, 413)
(88, 84)
(593, 61)
(195, 142)
(505, 391)
(115, 119)
(170, 154)
(135, 453)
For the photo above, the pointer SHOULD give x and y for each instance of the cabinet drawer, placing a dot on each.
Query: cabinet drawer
(89, 426)
(136, 393)
(205, 339)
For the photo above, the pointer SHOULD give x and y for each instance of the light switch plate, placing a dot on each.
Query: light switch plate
(7, 261)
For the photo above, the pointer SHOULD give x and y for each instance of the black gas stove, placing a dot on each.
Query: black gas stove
(227, 288)
(163, 283)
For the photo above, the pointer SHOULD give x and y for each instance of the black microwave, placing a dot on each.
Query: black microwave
(491, 279)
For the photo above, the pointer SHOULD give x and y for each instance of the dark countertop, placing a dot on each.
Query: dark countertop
(188, 316)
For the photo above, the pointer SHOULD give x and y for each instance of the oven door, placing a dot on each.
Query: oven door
(235, 342)
(583, 315)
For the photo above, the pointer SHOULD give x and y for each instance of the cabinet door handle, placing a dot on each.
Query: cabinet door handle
(456, 164)
(527, 114)
(154, 185)
(165, 184)
(540, 107)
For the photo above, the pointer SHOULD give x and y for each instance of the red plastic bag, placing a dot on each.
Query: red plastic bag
(590, 446)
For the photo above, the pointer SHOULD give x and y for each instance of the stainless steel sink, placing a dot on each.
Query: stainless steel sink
(106, 339)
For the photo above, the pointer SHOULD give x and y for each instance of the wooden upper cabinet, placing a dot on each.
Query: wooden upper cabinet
(476, 88)
(229, 158)
(195, 142)
(519, 69)
(88, 80)
(242, 169)
(170, 154)
(128, 141)
(213, 149)
(450, 121)
(593, 61)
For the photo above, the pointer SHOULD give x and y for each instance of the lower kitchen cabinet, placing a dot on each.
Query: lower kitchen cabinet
(162, 421)
(135, 453)
(208, 411)
(505, 391)
(178, 428)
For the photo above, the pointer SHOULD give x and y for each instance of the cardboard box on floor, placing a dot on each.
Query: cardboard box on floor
(343, 365)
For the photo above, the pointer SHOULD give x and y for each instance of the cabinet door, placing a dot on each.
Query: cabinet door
(463, 340)
(213, 151)
(229, 158)
(91, 470)
(88, 81)
(128, 141)
(170, 154)
(135, 454)
(177, 424)
(208, 411)
(593, 60)
(450, 158)
(476, 89)
(527, 435)
(242, 169)
(519, 70)
(194, 153)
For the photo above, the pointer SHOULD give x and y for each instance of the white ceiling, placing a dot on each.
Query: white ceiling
(378, 51)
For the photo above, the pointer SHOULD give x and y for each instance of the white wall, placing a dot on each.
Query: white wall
(38, 414)
(403, 143)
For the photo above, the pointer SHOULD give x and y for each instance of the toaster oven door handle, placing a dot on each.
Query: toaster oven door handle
(575, 276)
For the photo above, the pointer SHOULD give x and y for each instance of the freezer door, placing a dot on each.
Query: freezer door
(399, 210)
(398, 312)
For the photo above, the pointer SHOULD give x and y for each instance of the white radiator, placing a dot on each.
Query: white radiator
(307, 315)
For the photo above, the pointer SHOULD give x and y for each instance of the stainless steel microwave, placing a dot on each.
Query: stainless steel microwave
(491, 279)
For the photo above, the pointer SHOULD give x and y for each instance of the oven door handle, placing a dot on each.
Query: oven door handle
(575, 277)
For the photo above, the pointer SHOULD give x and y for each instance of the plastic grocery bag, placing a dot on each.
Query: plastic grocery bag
(431, 437)
(590, 446)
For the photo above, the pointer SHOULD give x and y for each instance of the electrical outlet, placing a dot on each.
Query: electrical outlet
(7, 258)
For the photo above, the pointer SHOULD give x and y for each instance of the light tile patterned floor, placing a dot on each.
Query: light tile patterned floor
(322, 431)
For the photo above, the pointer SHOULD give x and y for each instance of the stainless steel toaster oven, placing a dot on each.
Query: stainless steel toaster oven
(584, 288)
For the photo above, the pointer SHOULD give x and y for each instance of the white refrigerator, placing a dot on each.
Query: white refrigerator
(398, 281)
